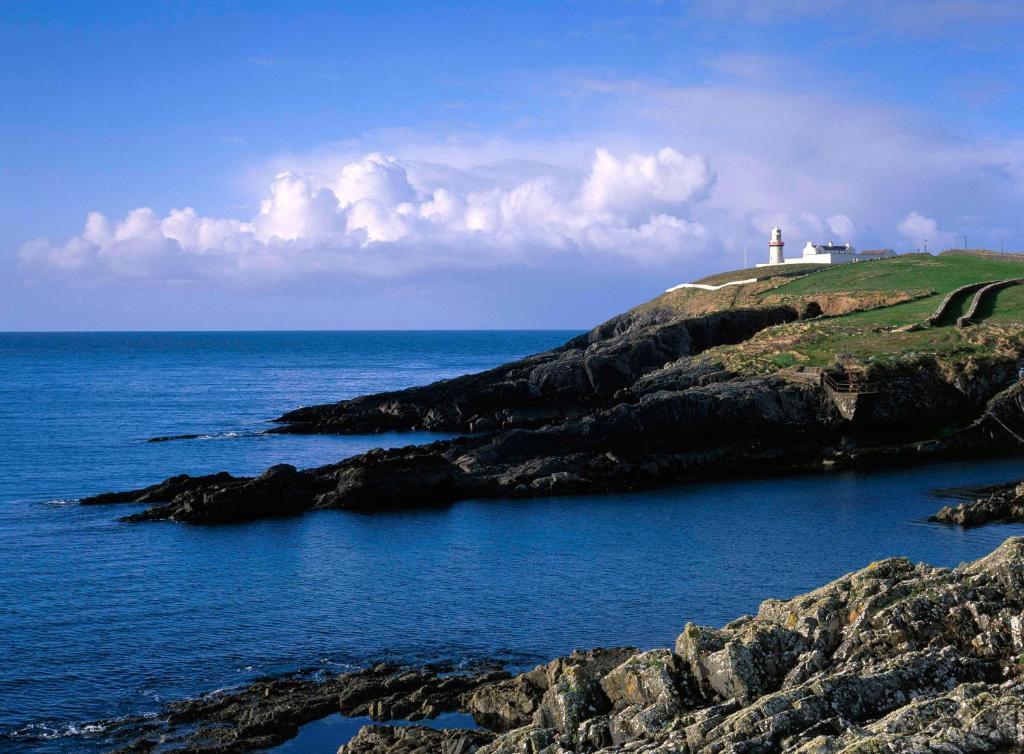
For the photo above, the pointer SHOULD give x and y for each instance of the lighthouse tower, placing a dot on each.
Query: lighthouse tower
(775, 255)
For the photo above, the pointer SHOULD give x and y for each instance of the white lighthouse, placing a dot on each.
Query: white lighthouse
(775, 253)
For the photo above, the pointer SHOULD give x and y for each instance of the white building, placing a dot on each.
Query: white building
(819, 253)
(827, 253)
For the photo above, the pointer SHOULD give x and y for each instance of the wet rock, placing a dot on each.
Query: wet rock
(638, 404)
(380, 480)
(281, 490)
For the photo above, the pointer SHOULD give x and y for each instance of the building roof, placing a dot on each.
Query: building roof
(876, 252)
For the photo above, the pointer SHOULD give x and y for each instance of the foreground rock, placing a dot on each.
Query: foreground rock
(1001, 504)
(896, 657)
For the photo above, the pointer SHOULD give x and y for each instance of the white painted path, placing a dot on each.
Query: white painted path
(706, 287)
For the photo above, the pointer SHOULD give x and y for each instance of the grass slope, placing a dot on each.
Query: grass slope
(1007, 306)
(908, 272)
(881, 334)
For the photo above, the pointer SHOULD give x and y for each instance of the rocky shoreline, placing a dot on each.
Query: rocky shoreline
(270, 711)
(896, 657)
(1001, 504)
(638, 402)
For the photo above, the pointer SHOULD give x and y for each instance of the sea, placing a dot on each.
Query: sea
(100, 619)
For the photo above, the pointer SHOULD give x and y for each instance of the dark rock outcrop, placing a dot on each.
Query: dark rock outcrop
(269, 712)
(1001, 504)
(162, 491)
(565, 382)
(279, 491)
(662, 437)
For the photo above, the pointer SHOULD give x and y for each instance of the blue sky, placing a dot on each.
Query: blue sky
(359, 165)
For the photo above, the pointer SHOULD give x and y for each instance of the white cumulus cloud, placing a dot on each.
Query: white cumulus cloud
(924, 231)
(841, 226)
(636, 183)
(374, 215)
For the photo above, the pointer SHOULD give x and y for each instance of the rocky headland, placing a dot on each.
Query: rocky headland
(896, 657)
(649, 398)
(799, 370)
(999, 504)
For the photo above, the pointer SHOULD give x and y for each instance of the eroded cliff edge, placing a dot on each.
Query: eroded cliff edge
(896, 657)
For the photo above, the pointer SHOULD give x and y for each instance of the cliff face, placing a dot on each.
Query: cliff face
(639, 401)
(584, 373)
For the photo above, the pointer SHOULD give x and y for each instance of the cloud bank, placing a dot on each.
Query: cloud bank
(393, 205)
(380, 215)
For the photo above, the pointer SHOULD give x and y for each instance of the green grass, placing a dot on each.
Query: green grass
(868, 345)
(877, 336)
(908, 272)
(783, 360)
(893, 316)
(1007, 306)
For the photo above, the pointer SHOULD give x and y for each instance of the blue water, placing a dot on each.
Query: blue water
(100, 619)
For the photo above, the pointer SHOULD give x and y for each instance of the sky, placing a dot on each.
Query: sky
(467, 165)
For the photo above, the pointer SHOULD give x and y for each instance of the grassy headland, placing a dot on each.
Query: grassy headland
(873, 312)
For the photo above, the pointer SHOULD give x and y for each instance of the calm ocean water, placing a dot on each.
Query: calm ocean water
(100, 619)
